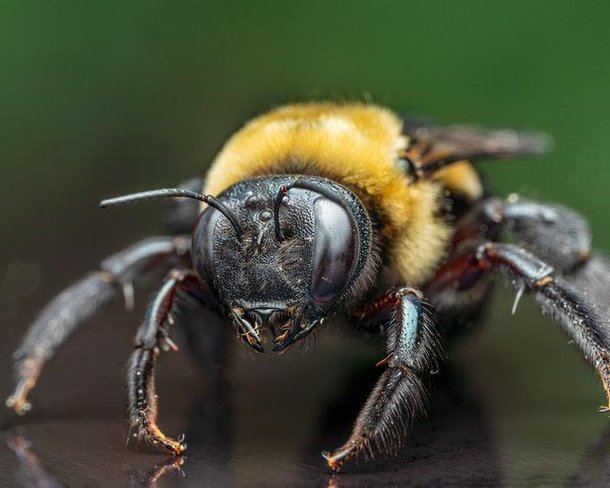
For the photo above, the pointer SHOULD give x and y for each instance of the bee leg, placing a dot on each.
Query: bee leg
(151, 338)
(72, 307)
(556, 234)
(412, 347)
(29, 463)
(577, 310)
(579, 317)
(593, 276)
(559, 236)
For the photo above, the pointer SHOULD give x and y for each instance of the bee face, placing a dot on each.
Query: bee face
(297, 258)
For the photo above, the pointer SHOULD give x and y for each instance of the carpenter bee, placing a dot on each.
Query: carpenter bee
(319, 209)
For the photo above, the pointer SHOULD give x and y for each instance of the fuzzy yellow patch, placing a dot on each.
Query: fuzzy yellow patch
(357, 146)
(461, 178)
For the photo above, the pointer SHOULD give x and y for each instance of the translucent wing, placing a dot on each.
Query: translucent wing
(432, 147)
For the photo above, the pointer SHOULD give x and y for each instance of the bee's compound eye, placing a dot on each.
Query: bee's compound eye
(334, 250)
(203, 239)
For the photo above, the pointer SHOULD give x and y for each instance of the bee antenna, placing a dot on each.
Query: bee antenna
(276, 210)
(175, 193)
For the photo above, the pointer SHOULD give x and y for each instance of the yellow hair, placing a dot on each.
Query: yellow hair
(356, 145)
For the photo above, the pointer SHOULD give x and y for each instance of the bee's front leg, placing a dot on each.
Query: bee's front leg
(151, 338)
(412, 346)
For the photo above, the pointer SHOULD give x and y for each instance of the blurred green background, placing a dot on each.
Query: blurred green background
(100, 98)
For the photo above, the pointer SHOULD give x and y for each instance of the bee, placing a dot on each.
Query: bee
(321, 209)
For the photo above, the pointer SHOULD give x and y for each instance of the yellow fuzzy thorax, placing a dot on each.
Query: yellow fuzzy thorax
(356, 145)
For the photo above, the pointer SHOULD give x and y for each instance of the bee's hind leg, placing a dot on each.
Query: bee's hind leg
(577, 314)
(581, 317)
(412, 347)
(561, 237)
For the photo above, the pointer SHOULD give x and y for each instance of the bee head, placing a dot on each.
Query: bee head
(292, 251)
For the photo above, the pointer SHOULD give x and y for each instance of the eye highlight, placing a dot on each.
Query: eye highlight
(334, 250)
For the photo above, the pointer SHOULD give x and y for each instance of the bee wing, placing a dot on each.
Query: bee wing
(432, 147)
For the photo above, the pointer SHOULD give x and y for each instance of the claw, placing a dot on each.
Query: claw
(177, 447)
(19, 405)
(160, 470)
(18, 401)
(331, 461)
(338, 457)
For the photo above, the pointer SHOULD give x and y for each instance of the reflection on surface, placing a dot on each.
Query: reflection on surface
(157, 472)
(454, 444)
(29, 471)
(452, 448)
